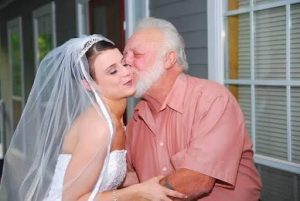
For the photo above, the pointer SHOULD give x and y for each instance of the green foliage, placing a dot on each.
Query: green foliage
(16, 62)
(44, 45)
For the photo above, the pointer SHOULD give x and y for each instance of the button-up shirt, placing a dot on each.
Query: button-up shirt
(199, 126)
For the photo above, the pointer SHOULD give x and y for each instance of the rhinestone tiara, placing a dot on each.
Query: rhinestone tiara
(88, 44)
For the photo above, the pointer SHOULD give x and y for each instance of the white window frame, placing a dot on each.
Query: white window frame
(215, 38)
(82, 20)
(216, 13)
(46, 9)
(12, 24)
(131, 20)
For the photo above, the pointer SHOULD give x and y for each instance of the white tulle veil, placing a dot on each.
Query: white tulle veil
(56, 99)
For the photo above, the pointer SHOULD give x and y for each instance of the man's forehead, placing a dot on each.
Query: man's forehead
(148, 36)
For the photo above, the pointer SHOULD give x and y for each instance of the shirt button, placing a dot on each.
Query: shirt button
(164, 169)
(161, 144)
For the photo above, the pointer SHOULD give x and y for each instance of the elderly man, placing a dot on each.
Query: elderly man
(190, 130)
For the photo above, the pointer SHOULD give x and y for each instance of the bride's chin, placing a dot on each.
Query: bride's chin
(131, 93)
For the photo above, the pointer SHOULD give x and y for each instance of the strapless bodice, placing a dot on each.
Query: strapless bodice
(112, 177)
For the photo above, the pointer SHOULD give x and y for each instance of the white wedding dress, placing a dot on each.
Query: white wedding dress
(113, 177)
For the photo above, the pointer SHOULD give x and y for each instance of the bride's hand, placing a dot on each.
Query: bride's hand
(152, 190)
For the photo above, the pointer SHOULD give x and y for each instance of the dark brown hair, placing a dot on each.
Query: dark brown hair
(96, 49)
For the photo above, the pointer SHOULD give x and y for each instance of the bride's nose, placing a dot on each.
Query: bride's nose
(126, 70)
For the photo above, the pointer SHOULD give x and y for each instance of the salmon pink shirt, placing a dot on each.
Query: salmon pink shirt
(199, 126)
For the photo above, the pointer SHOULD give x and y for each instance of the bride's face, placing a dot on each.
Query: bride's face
(113, 79)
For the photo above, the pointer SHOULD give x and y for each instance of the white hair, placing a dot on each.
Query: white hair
(173, 40)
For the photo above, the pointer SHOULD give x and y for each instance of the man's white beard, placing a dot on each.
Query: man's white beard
(147, 79)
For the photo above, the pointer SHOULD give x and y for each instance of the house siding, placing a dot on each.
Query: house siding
(190, 18)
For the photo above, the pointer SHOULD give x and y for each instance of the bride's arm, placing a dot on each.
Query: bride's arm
(148, 190)
(86, 162)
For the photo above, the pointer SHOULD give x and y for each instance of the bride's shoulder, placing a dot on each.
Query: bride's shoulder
(91, 125)
(89, 129)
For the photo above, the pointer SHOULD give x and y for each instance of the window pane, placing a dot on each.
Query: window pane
(295, 123)
(17, 111)
(239, 47)
(271, 126)
(44, 36)
(295, 41)
(264, 1)
(243, 95)
(16, 61)
(236, 4)
(270, 44)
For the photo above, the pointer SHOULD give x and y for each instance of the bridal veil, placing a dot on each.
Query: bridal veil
(56, 99)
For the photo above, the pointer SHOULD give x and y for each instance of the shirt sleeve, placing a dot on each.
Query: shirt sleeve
(216, 141)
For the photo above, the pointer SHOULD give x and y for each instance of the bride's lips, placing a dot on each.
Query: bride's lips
(128, 83)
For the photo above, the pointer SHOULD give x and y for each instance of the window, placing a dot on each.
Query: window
(262, 70)
(16, 66)
(44, 31)
(254, 48)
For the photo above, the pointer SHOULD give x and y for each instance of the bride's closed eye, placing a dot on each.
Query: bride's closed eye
(126, 65)
(112, 69)
(113, 72)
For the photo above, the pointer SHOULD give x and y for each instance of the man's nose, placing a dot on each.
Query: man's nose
(127, 58)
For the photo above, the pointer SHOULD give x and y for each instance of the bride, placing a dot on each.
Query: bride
(69, 143)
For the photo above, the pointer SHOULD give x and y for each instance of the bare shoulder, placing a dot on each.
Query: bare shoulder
(88, 129)
(91, 126)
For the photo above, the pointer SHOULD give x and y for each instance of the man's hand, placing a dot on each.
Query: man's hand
(189, 182)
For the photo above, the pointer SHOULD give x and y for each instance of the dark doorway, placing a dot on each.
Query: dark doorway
(107, 18)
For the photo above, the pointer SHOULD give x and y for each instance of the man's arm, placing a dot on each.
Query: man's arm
(189, 182)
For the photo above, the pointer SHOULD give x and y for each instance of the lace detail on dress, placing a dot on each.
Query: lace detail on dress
(116, 171)
(113, 176)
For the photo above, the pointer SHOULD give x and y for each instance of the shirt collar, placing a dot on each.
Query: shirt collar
(176, 95)
(174, 99)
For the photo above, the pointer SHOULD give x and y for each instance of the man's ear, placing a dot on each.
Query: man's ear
(170, 59)
(86, 85)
